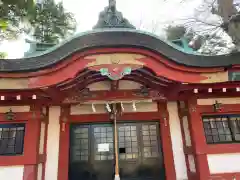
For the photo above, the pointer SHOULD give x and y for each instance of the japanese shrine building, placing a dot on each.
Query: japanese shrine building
(118, 103)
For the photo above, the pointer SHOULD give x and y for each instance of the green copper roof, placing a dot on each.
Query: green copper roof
(95, 31)
(182, 44)
(116, 37)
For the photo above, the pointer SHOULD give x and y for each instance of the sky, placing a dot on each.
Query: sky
(139, 12)
(147, 15)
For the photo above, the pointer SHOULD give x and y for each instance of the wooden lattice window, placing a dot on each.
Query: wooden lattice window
(234, 76)
(12, 139)
(222, 128)
(103, 135)
(150, 141)
(128, 142)
(80, 144)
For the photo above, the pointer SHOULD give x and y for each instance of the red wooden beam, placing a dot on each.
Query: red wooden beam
(23, 93)
(186, 95)
(90, 77)
(171, 93)
(205, 86)
(150, 56)
(141, 116)
(21, 116)
(119, 95)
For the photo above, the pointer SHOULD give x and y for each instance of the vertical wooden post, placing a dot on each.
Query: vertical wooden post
(166, 141)
(198, 140)
(64, 143)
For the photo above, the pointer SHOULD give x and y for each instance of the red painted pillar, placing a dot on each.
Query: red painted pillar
(181, 113)
(166, 142)
(63, 161)
(30, 172)
(198, 140)
(46, 120)
(32, 140)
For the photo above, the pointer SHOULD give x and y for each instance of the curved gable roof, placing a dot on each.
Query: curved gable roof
(115, 38)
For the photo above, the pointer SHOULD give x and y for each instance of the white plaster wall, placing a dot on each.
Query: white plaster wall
(124, 84)
(98, 86)
(106, 85)
(141, 107)
(51, 171)
(191, 162)
(224, 163)
(186, 131)
(39, 174)
(234, 100)
(87, 109)
(11, 173)
(42, 135)
(101, 108)
(177, 142)
(4, 109)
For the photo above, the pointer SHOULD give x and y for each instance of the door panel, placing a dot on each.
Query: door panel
(86, 163)
(143, 157)
(129, 150)
(102, 162)
(152, 160)
(80, 153)
(140, 155)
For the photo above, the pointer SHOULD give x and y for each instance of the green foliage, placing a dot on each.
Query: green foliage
(21, 4)
(51, 23)
(47, 22)
(175, 32)
(12, 14)
(3, 24)
(207, 44)
(3, 55)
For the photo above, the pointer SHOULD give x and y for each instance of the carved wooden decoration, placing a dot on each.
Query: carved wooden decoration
(79, 96)
(114, 66)
(149, 93)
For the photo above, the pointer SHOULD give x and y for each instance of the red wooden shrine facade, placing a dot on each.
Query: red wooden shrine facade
(69, 83)
(190, 102)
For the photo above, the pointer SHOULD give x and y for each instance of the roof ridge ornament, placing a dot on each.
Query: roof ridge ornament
(111, 18)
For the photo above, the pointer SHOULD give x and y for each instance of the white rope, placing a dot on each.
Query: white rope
(122, 106)
(93, 108)
(134, 106)
(108, 107)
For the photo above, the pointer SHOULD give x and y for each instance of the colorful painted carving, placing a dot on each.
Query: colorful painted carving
(115, 73)
(114, 66)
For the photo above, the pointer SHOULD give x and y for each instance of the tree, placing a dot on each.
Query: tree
(228, 13)
(3, 55)
(47, 21)
(51, 23)
(206, 44)
(229, 18)
(214, 44)
(12, 14)
(175, 32)
(21, 4)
